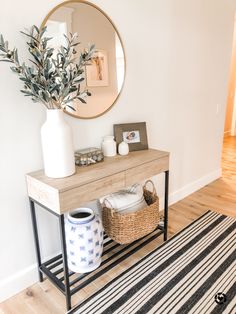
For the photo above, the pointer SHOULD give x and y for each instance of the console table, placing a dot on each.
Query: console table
(59, 196)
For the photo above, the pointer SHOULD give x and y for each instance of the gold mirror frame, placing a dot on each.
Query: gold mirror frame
(121, 42)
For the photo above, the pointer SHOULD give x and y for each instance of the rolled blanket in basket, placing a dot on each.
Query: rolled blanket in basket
(126, 200)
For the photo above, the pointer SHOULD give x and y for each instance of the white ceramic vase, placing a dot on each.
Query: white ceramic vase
(84, 240)
(57, 145)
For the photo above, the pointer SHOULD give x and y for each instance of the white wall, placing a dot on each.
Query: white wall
(178, 55)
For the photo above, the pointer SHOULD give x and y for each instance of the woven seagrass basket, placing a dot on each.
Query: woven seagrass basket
(127, 227)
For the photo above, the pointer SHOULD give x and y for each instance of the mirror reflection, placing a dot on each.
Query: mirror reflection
(104, 77)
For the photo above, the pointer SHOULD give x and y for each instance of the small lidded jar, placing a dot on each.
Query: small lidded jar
(109, 146)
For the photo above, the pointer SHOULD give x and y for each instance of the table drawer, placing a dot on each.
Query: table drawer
(85, 193)
(146, 170)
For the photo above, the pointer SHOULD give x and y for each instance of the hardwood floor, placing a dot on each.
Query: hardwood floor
(220, 195)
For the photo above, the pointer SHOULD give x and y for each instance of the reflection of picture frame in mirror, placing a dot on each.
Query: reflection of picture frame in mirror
(134, 134)
(97, 71)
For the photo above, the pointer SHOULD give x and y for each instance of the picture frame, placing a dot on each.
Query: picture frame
(97, 70)
(135, 134)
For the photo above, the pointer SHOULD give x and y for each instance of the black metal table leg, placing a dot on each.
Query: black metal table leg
(65, 263)
(166, 205)
(36, 238)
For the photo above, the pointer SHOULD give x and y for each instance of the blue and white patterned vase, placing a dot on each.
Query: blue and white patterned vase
(84, 240)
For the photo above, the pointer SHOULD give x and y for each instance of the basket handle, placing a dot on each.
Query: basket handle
(154, 192)
(104, 204)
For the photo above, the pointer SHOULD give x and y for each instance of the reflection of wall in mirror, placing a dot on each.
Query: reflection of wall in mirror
(60, 23)
(94, 28)
(120, 64)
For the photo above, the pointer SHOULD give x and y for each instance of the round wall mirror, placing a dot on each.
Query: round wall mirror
(104, 77)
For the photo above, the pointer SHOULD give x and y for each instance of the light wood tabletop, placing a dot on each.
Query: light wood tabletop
(88, 183)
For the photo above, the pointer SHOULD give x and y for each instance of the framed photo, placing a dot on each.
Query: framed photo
(135, 134)
(97, 71)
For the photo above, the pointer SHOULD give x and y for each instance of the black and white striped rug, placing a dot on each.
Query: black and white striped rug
(193, 272)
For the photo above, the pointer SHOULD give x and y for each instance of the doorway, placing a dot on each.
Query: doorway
(230, 118)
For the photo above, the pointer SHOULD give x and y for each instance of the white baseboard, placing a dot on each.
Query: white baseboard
(194, 186)
(27, 277)
(18, 282)
(191, 188)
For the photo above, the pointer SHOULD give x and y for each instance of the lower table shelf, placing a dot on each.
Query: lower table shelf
(113, 254)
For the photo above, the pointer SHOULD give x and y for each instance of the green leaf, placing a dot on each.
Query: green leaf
(6, 45)
(1, 40)
(31, 36)
(24, 79)
(82, 100)
(72, 108)
(6, 60)
(27, 93)
(73, 89)
(35, 28)
(15, 55)
(42, 32)
(79, 80)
